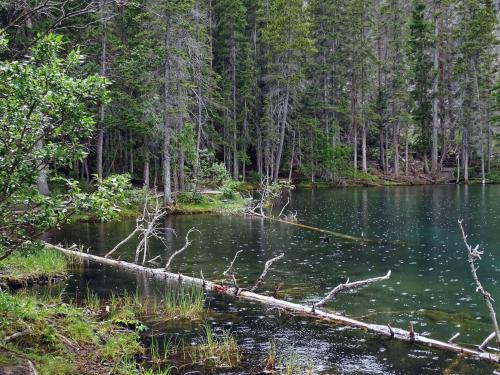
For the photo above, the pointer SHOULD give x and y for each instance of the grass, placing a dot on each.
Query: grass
(218, 351)
(122, 346)
(291, 365)
(186, 303)
(60, 338)
(215, 204)
(32, 266)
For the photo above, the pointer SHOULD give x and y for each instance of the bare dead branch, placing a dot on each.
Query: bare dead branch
(454, 337)
(487, 340)
(473, 254)
(266, 269)
(350, 285)
(230, 268)
(186, 245)
(122, 242)
(283, 208)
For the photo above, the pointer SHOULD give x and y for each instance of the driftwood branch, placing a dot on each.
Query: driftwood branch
(385, 330)
(186, 245)
(350, 285)
(266, 269)
(473, 254)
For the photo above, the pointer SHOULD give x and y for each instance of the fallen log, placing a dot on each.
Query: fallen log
(302, 310)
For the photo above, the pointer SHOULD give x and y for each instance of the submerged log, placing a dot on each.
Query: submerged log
(302, 310)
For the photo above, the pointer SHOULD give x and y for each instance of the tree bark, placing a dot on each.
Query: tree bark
(102, 108)
(435, 103)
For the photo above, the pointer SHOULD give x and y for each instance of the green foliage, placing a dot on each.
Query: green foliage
(230, 189)
(188, 197)
(212, 173)
(44, 118)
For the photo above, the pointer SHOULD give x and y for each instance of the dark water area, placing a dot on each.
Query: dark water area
(430, 284)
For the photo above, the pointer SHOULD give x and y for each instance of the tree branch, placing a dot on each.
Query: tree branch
(474, 254)
(266, 269)
(347, 286)
(186, 245)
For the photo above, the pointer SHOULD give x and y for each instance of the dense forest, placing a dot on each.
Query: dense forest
(273, 89)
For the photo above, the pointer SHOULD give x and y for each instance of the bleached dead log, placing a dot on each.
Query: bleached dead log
(474, 254)
(266, 270)
(186, 245)
(396, 333)
(350, 285)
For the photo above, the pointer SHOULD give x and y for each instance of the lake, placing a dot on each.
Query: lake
(430, 284)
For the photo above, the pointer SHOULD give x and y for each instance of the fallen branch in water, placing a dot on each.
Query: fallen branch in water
(348, 286)
(266, 269)
(474, 254)
(385, 330)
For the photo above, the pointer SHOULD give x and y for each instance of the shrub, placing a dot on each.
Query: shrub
(188, 197)
(230, 189)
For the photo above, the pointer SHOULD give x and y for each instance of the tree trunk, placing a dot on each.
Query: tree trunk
(102, 109)
(41, 182)
(435, 104)
(396, 148)
(291, 158)
(283, 122)
(481, 124)
(234, 127)
(167, 187)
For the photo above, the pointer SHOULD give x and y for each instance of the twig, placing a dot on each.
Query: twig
(473, 255)
(454, 337)
(283, 209)
(487, 340)
(266, 269)
(128, 238)
(186, 245)
(347, 286)
(230, 268)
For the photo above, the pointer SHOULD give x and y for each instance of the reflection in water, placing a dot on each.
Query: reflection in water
(430, 283)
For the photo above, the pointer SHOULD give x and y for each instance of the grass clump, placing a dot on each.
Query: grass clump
(122, 346)
(32, 266)
(217, 351)
(291, 365)
(184, 303)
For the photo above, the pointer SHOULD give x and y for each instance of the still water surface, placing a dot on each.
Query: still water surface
(430, 283)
